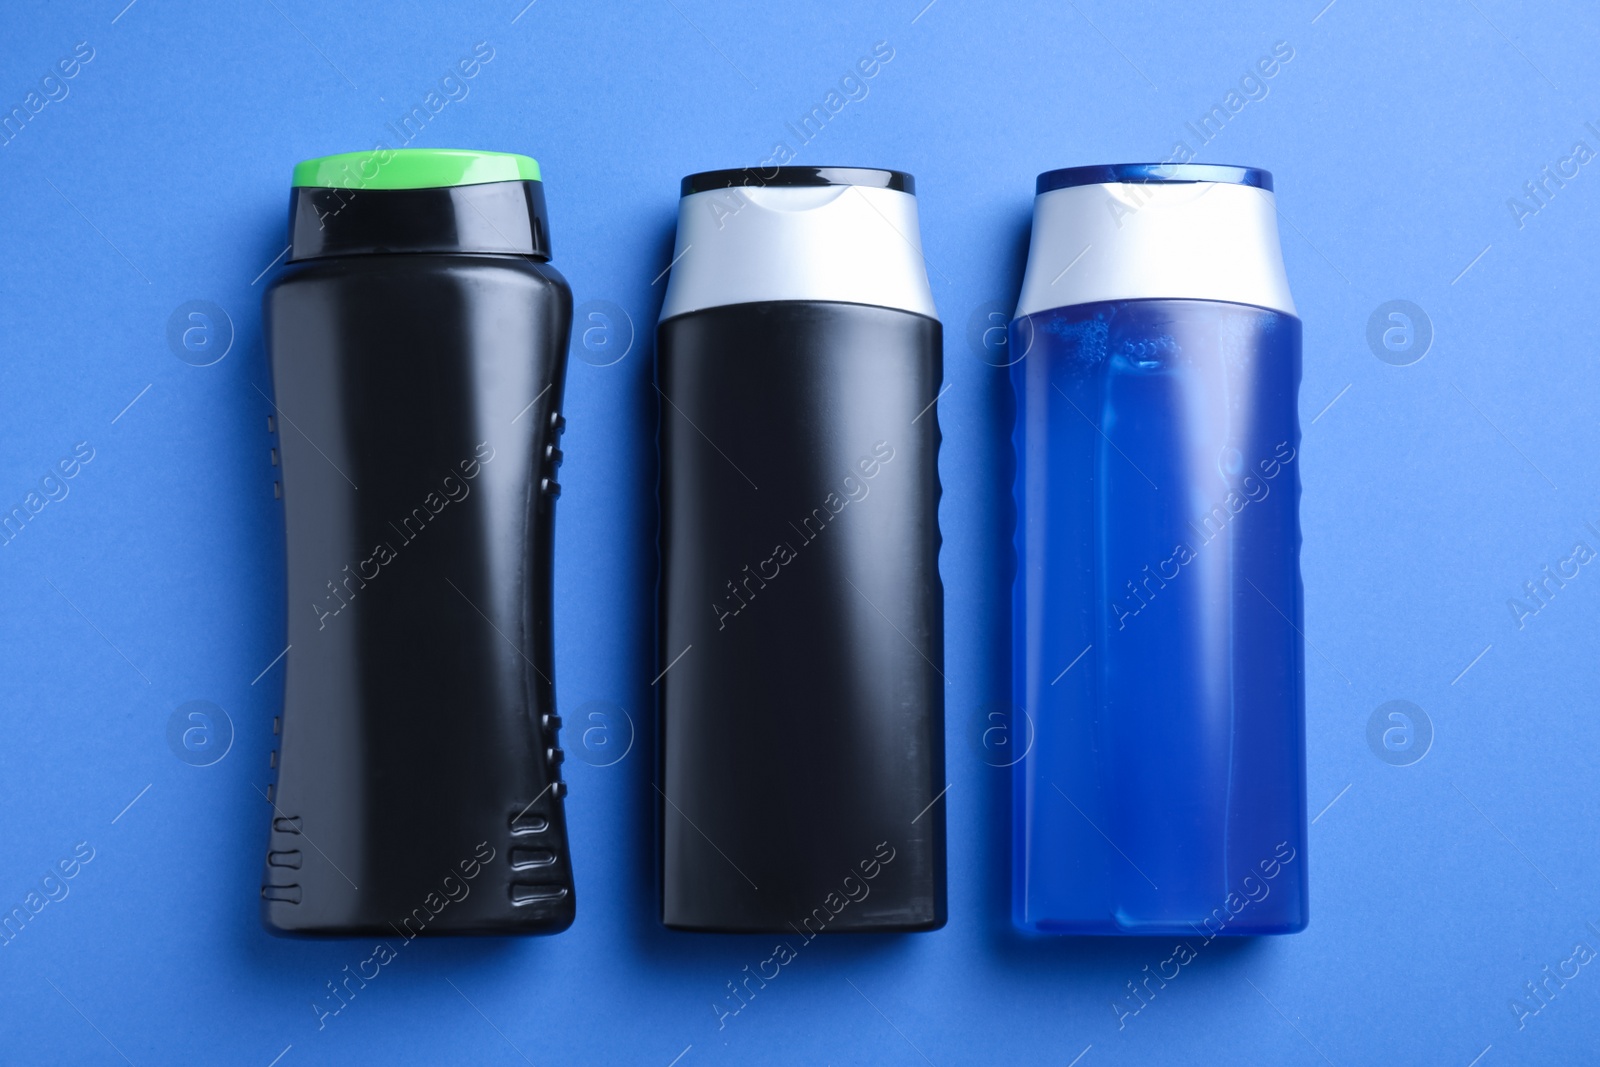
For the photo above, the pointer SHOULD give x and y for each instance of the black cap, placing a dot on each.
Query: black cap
(506, 217)
(872, 177)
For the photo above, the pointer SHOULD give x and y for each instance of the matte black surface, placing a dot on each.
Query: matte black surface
(496, 217)
(418, 785)
(802, 708)
(871, 177)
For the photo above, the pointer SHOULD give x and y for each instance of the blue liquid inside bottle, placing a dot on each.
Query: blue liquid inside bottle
(1157, 622)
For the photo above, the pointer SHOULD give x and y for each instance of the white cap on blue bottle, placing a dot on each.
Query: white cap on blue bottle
(1143, 231)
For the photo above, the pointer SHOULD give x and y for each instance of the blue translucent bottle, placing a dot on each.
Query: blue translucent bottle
(1157, 640)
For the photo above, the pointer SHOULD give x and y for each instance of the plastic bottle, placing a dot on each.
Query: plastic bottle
(1157, 622)
(418, 344)
(801, 611)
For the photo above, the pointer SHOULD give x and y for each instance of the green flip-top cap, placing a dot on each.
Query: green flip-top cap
(399, 200)
(414, 168)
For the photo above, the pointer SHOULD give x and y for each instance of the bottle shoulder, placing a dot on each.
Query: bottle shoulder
(418, 265)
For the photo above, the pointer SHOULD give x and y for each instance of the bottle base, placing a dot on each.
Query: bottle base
(918, 927)
(409, 928)
(1205, 926)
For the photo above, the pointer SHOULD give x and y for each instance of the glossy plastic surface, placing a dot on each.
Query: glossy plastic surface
(1157, 621)
(418, 785)
(782, 177)
(414, 168)
(801, 637)
(1153, 173)
(496, 217)
(798, 242)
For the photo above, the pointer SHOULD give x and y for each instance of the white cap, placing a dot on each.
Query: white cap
(798, 233)
(1144, 231)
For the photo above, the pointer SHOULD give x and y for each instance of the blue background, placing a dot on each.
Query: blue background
(1433, 492)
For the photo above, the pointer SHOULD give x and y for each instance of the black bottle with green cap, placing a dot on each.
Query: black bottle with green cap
(418, 344)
